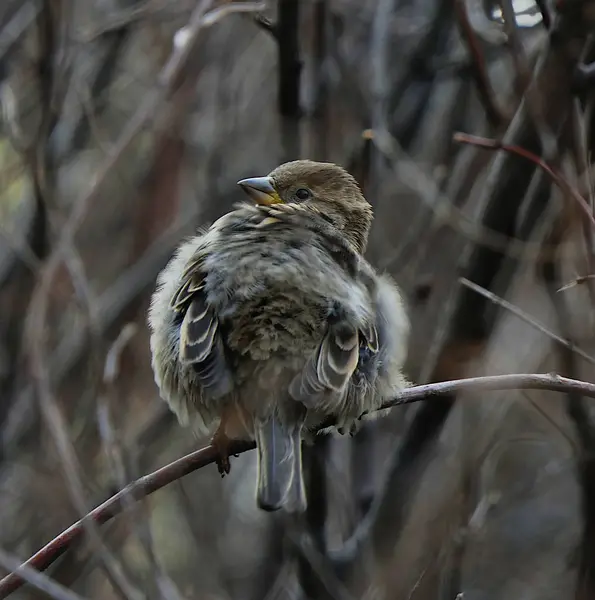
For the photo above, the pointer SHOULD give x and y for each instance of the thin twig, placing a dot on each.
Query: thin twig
(546, 18)
(515, 310)
(205, 456)
(575, 282)
(56, 424)
(16, 27)
(109, 436)
(479, 69)
(36, 579)
(522, 69)
(556, 177)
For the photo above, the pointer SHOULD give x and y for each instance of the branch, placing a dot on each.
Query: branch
(515, 310)
(555, 176)
(546, 17)
(16, 27)
(289, 70)
(205, 456)
(38, 580)
(478, 65)
(290, 65)
(578, 281)
(579, 415)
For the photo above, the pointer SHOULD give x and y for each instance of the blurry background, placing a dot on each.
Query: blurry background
(125, 125)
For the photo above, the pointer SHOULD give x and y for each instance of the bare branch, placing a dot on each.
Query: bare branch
(556, 177)
(578, 281)
(479, 70)
(525, 317)
(205, 456)
(546, 17)
(35, 578)
(12, 31)
(290, 65)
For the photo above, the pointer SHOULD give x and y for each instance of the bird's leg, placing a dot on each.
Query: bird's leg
(221, 442)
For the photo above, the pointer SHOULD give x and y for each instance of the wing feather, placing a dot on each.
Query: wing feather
(201, 343)
(332, 365)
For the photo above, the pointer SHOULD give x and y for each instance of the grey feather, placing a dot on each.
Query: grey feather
(201, 344)
(330, 367)
(273, 309)
(280, 480)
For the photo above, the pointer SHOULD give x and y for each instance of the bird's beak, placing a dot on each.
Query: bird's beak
(261, 190)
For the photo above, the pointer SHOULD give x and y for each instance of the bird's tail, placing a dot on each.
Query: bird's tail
(280, 481)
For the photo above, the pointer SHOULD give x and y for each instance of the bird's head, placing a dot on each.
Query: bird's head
(326, 187)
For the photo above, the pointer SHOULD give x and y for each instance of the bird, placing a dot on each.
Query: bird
(270, 323)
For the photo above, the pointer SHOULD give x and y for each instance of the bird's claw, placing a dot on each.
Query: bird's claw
(223, 466)
(221, 445)
(352, 430)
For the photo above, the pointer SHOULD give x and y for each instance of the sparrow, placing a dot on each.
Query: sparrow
(270, 323)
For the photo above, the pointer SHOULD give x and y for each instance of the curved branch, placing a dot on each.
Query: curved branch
(552, 172)
(205, 456)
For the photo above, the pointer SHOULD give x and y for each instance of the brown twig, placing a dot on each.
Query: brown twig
(546, 18)
(522, 69)
(138, 489)
(36, 579)
(479, 70)
(205, 456)
(446, 212)
(556, 177)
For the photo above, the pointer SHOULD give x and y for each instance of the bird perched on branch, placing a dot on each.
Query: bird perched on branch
(271, 322)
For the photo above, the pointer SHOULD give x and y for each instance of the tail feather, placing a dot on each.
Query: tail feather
(280, 481)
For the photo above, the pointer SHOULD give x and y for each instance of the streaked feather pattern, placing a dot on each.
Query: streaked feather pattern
(271, 310)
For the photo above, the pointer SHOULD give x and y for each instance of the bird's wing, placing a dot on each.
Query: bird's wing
(201, 343)
(331, 366)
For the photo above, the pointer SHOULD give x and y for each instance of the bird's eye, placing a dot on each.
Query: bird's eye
(302, 194)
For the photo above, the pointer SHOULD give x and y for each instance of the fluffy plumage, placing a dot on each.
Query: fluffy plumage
(271, 321)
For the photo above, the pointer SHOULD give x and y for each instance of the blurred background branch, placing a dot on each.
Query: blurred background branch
(124, 127)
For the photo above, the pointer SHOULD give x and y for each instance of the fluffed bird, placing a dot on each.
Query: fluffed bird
(270, 322)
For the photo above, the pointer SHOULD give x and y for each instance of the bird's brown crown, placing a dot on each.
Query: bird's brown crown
(327, 187)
